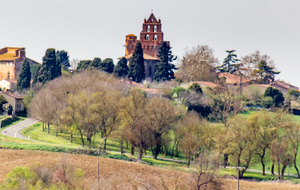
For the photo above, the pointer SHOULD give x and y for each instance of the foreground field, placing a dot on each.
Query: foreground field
(116, 174)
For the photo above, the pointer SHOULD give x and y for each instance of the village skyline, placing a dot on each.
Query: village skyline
(98, 29)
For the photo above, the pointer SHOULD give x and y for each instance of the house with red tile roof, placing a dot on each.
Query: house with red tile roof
(234, 80)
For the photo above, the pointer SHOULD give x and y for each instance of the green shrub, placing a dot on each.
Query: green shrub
(119, 157)
(178, 91)
(267, 102)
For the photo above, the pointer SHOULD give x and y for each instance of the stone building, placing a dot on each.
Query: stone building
(151, 37)
(11, 60)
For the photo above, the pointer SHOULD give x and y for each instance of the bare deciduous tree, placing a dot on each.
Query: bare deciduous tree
(198, 64)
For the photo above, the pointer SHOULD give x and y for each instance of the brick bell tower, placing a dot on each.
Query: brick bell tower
(151, 37)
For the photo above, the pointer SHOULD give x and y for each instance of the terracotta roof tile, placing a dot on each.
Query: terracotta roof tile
(233, 79)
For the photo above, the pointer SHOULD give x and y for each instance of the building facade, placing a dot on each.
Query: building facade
(151, 37)
(11, 60)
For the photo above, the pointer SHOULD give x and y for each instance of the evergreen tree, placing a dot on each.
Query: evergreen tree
(50, 68)
(63, 58)
(34, 69)
(265, 72)
(230, 63)
(96, 63)
(121, 69)
(276, 95)
(107, 65)
(136, 64)
(164, 68)
(84, 64)
(24, 76)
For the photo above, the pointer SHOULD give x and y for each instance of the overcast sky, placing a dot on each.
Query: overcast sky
(97, 28)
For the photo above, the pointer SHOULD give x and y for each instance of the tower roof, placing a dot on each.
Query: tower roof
(152, 19)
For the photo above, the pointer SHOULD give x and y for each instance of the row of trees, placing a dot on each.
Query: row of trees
(94, 102)
(53, 61)
(199, 64)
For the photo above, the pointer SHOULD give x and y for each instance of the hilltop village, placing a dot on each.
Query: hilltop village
(207, 122)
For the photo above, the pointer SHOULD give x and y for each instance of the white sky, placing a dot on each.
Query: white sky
(97, 28)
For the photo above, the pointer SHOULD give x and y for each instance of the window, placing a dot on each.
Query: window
(155, 37)
(151, 20)
(6, 63)
(8, 75)
(147, 37)
(11, 64)
(155, 28)
(148, 28)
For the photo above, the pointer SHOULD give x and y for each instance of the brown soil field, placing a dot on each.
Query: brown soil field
(116, 174)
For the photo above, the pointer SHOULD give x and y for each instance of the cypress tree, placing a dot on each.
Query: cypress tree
(164, 68)
(121, 69)
(24, 76)
(51, 67)
(136, 64)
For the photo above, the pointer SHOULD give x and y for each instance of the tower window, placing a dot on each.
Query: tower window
(155, 28)
(147, 37)
(152, 20)
(155, 37)
(148, 28)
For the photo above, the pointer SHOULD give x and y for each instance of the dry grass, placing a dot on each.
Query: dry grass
(116, 174)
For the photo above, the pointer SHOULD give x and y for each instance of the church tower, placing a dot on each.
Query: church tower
(151, 37)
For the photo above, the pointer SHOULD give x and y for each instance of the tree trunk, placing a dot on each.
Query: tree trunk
(61, 131)
(82, 139)
(145, 152)
(272, 168)
(225, 160)
(263, 165)
(104, 143)
(295, 165)
(48, 128)
(166, 150)
(278, 165)
(71, 137)
(189, 160)
(173, 148)
(56, 133)
(127, 145)
(177, 152)
(282, 170)
(121, 146)
(89, 140)
(132, 149)
(43, 127)
(141, 152)
(156, 151)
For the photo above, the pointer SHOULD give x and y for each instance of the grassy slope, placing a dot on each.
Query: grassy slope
(63, 139)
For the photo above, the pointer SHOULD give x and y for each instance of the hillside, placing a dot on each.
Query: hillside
(116, 174)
